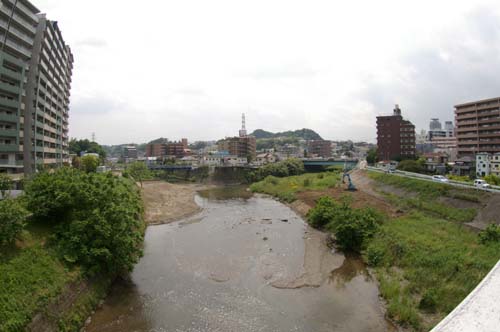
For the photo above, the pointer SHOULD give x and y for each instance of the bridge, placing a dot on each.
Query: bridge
(154, 167)
(321, 164)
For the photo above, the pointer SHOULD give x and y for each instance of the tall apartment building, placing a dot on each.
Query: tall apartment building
(395, 137)
(35, 79)
(478, 127)
(244, 147)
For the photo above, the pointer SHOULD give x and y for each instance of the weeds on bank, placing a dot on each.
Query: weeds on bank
(427, 265)
(286, 188)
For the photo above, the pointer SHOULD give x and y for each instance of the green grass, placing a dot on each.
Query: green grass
(418, 256)
(29, 279)
(427, 189)
(286, 188)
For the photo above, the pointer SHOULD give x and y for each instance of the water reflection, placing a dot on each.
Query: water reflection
(352, 267)
(226, 192)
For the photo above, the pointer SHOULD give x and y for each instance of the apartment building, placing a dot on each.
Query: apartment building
(478, 127)
(319, 148)
(171, 149)
(35, 80)
(487, 164)
(395, 137)
(242, 146)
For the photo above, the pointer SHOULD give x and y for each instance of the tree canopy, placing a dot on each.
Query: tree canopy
(84, 145)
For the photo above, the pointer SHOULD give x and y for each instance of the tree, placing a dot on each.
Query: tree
(84, 145)
(12, 220)
(89, 163)
(5, 183)
(97, 217)
(138, 171)
(372, 156)
(410, 166)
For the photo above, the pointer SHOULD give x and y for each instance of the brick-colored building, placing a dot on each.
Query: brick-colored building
(173, 149)
(478, 127)
(244, 146)
(395, 137)
(320, 148)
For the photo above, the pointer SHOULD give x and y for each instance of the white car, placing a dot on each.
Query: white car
(481, 183)
(439, 178)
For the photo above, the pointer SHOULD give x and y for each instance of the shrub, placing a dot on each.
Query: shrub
(490, 234)
(323, 212)
(429, 300)
(5, 184)
(350, 226)
(12, 220)
(98, 217)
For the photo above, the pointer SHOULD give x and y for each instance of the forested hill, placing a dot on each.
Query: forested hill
(307, 134)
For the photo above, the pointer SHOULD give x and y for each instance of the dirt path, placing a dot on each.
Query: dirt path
(166, 202)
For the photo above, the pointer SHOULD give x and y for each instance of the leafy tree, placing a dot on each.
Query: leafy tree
(5, 183)
(12, 220)
(84, 145)
(89, 163)
(371, 156)
(410, 166)
(138, 171)
(97, 217)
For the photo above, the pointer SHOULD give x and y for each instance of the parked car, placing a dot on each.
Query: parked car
(390, 170)
(481, 183)
(439, 178)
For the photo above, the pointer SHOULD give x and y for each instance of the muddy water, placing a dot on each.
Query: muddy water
(239, 266)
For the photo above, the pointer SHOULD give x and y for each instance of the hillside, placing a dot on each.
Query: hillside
(307, 134)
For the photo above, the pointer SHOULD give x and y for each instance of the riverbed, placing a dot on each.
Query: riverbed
(244, 263)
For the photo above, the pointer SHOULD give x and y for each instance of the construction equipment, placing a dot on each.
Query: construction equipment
(350, 186)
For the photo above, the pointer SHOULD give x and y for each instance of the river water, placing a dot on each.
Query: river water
(245, 263)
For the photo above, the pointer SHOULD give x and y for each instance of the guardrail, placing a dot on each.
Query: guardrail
(494, 189)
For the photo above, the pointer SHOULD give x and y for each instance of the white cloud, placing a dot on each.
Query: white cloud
(190, 68)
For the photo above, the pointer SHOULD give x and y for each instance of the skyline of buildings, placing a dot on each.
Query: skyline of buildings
(35, 81)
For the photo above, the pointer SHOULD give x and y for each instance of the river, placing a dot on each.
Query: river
(244, 263)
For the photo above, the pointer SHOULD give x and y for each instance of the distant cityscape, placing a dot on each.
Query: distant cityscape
(36, 70)
(471, 147)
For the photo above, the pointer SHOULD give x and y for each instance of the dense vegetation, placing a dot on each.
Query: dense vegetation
(286, 188)
(97, 217)
(352, 227)
(84, 145)
(80, 224)
(280, 169)
(12, 220)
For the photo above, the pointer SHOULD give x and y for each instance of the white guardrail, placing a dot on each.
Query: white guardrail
(494, 189)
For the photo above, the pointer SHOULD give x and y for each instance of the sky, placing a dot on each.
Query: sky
(163, 68)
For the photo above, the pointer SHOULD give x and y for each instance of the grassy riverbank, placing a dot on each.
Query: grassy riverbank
(425, 259)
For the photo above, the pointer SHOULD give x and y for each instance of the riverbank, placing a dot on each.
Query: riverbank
(425, 258)
(165, 202)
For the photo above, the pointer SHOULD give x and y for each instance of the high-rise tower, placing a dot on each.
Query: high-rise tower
(243, 130)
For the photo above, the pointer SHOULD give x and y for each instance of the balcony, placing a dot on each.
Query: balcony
(8, 118)
(9, 88)
(12, 74)
(8, 132)
(9, 102)
(9, 148)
